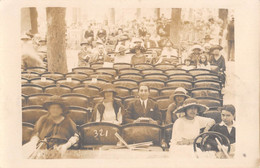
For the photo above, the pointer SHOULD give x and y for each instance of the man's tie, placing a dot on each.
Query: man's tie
(143, 105)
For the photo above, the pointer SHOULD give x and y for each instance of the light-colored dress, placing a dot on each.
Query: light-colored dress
(109, 114)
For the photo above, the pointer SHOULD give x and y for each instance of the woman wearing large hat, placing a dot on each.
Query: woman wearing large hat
(55, 129)
(109, 109)
(187, 128)
(196, 51)
(178, 97)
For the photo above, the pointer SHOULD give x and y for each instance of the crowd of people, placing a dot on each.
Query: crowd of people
(147, 42)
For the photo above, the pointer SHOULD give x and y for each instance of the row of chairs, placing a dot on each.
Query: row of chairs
(122, 68)
(122, 92)
(128, 83)
(80, 100)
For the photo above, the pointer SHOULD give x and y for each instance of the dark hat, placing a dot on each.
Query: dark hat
(180, 91)
(216, 47)
(108, 88)
(191, 102)
(228, 107)
(56, 100)
(86, 41)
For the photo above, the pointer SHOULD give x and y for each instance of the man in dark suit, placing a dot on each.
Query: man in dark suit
(143, 109)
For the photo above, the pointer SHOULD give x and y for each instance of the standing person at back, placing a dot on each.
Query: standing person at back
(231, 40)
(143, 109)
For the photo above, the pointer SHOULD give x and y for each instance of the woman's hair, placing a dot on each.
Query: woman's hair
(206, 61)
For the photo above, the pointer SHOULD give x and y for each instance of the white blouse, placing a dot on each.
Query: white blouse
(109, 114)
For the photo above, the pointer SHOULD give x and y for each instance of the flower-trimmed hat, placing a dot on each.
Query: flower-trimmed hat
(196, 47)
(216, 47)
(180, 91)
(56, 100)
(191, 102)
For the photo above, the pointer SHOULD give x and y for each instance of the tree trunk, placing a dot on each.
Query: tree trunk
(223, 14)
(34, 23)
(56, 43)
(157, 13)
(175, 26)
(25, 20)
(138, 13)
(111, 16)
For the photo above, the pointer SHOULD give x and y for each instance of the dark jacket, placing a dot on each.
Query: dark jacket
(135, 110)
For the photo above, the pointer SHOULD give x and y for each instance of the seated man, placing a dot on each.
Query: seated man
(100, 55)
(143, 109)
(85, 53)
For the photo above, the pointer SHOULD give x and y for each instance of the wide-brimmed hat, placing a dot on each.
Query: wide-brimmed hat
(191, 102)
(218, 47)
(56, 100)
(196, 47)
(25, 37)
(86, 41)
(108, 88)
(121, 48)
(180, 91)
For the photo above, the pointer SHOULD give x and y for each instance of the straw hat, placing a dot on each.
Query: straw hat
(191, 102)
(196, 47)
(180, 91)
(56, 100)
(108, 88)
(216, 47)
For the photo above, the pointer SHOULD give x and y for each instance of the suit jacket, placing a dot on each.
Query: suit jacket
(135, 110)
(223, 130)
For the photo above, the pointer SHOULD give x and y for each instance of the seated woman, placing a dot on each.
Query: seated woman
(55, 128)
(188, 127)
(169, 54)
(139, 57)
(85, 53)
(196, 51)
(203, 62)
(178, 97)
(109, 110)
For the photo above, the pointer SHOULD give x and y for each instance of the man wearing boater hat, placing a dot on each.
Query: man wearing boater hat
(143, 109)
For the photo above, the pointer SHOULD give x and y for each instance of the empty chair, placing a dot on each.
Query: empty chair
(100, 83)
(24, 81)
(198, 71)
(158, 76)
(57, 89)
(42, 81)
(27, 132)
(175, 71)
(142, 132)
(153, 92)
(143, 66)
(207, 84)
(166, 92)
(24, 100)
(164, 66)
(30, 89)
(128, 83)
(181, 76)
(77, 75)
(152, 71)
(30, 75)
(38, 99)
(163, 102)
(129, 70)
(87, 90)
(133, 76)
(206, 92)
(75, 99)
(210, 102)
(111, 71)
(39, 70)
(54, 75)
(179, 83)
(207, 76)
(98, 134)
(31, 114)
(122, 91)
(78, 114)
(96, 65)
(104, 76)
(120, 66)
(214, 114)
(127, 100)
(85, 70)
(70, 82)
(152, 83)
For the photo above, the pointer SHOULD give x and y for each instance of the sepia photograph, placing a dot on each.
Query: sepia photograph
(134, 82)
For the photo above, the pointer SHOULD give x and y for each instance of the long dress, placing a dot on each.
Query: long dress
(188, 129)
